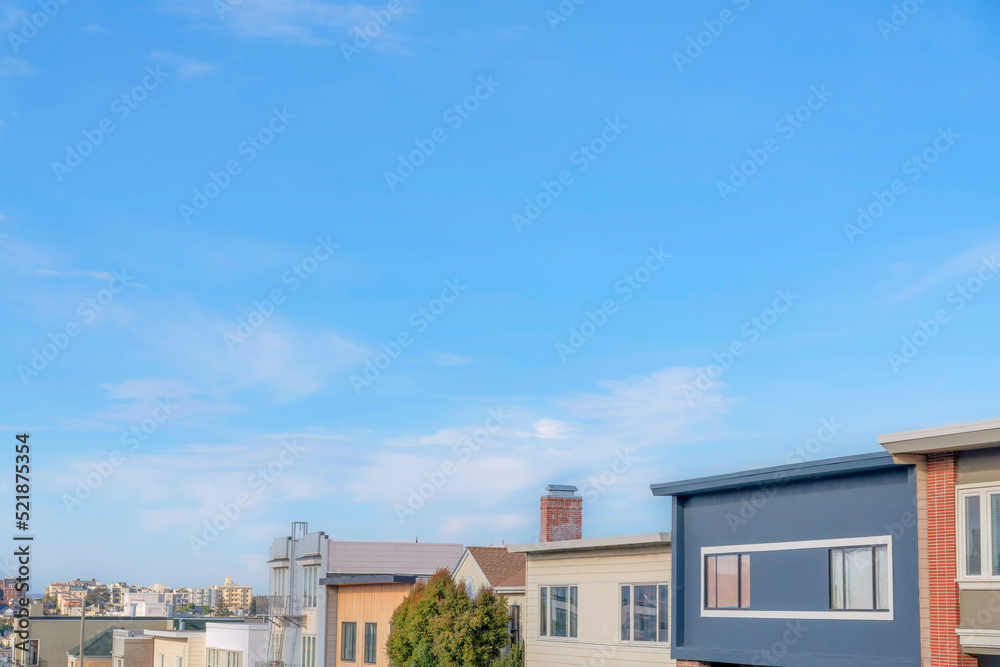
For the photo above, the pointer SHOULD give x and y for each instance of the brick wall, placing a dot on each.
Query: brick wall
(562, 519)
(942, 476)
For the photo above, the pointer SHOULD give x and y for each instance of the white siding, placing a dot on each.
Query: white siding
(598, 575)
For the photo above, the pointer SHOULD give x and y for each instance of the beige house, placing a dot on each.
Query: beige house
(501, 570)
(599, 601)
(96, 651)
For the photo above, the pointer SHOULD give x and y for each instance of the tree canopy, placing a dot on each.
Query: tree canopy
(439, 625)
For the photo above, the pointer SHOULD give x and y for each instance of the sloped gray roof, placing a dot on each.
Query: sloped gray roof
(392, 557)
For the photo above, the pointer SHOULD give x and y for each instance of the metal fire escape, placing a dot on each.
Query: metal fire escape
(284, 612)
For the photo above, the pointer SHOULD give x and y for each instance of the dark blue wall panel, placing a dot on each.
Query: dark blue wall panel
(850, 506)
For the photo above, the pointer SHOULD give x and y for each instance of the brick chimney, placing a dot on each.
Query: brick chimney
(562, 514)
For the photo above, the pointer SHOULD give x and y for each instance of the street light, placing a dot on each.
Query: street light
(83, 609)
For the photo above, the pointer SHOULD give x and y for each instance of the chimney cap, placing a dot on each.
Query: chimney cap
(561, 490)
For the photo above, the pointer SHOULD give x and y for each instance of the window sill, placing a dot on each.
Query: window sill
(992, 584)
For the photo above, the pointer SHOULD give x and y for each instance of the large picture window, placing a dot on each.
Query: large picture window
(557, 611)
(859, 578)
(727, 581)
(644, 612)
(979, 533)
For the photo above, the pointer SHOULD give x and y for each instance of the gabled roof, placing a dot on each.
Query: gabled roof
(500, 567)
(845, 465)
(98, 646)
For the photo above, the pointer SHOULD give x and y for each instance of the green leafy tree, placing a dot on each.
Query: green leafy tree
(205, 610)
(253, 606)
(223, 609)
(514, 657)
(439, 625)
(99, 596)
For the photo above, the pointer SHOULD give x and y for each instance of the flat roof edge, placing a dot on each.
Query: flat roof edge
(970, 435)
(646, 539)
(843, 465)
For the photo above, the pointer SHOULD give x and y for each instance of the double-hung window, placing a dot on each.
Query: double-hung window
(644, 612)
(979, 532)
(308, 651)
(557, 611)
(348, 641)
(371, 643)
(727, 581)
(310, 581)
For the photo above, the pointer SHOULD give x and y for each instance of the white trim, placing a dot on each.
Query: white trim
(843, 615)
(983, 639)
(985, 579)
(631, 612)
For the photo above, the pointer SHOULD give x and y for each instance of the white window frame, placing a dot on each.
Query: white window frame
(631, 613)
(985, 580)
(548, 612)
(840, 615)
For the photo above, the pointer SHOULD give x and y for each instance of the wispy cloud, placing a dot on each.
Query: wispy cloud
(957, 267)
(301, 21)
(93, 27)
(11, 66)
(448, 359)
(187, 68)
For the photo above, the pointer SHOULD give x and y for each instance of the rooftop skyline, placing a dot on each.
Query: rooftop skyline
(260, 269)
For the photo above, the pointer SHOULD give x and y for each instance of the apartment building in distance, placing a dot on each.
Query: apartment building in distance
(235, 597)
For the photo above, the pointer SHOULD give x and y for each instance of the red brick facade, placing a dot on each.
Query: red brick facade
(562, 519)
(942, 476)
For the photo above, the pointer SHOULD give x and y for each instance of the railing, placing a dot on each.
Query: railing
(279, 605)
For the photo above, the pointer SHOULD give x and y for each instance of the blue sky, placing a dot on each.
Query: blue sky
(551, 229)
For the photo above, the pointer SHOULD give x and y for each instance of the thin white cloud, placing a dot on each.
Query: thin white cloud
(956, 268)
(93, 27)
(307, 22)
(11, 66)
(187, 68)
(448, 359)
